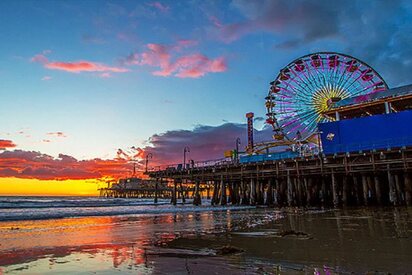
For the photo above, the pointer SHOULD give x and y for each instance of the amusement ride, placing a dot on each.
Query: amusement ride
(309, 86)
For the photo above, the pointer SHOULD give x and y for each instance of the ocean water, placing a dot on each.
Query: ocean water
(39, 208)
(80, 235)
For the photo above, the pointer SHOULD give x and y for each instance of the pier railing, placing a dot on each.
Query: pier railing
(196, 164)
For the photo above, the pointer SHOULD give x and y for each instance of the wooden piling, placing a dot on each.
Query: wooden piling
(243, 191)
(289, 189)
(276, 192)
(378, 189)
(269, 192)
(371, 189)
(398, 191)
(345, 190)
(365, 189)
(323, 191)
(156, 187)
(335, 190)
(252, 192)
(197, 200)
(174, 193)
(223, 199)
(392, 192)
(408, 189)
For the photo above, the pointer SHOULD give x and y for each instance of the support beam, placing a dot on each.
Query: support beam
(174, 193)
(408, 189)
(378, 190)
(345, 190)
(252, 192)
(156, 187)
(223, 199)
(392, 190)
(215, 195)
(197, 200)
(289, 189)
(335, 190)
(269, 193)
(356, 189)
(365, 189)
(399, 193)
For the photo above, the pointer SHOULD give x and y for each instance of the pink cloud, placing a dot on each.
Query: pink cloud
(83, 66)
(39, 58)
(216, 22)
(75, 67)
(57, 134)
(105, 75)
(183, 43)
(161, 7)
(186, 66)
(46, 78)
(198, 65)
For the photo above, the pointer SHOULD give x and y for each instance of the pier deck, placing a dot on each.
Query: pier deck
(373, 177)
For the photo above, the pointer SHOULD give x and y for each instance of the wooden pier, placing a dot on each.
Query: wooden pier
(363, 178)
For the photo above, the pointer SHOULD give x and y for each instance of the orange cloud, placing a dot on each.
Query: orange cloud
(5, 143)
(35, 165)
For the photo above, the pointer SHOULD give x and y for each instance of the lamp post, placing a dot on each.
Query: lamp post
(237, 148)
(185, 150)
(150, 155)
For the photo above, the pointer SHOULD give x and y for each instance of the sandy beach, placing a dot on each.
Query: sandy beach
(232, 241)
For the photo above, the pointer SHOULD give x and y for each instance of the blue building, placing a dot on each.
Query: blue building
(377, 121)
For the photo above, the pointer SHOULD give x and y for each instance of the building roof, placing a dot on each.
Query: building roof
(361, 99)
(400, 99)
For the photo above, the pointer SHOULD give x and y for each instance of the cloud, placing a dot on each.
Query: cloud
(311, 20)
(5, 143)
(205, 142)
(377, 32)
(215, 21)
(161, 7)
(105, 75)
(57, 134)
(39, 58)
(186, 66)
(83, 66)
(46, 78)
(76, 66)
(35, 165)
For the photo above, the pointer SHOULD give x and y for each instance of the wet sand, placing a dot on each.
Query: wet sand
(267, 240)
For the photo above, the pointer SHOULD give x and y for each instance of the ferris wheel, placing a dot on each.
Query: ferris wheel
(307, 86)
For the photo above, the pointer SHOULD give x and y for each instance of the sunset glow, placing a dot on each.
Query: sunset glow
(107, 83)
(35, 187)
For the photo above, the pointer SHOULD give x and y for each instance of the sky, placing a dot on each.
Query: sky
(88, 85)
